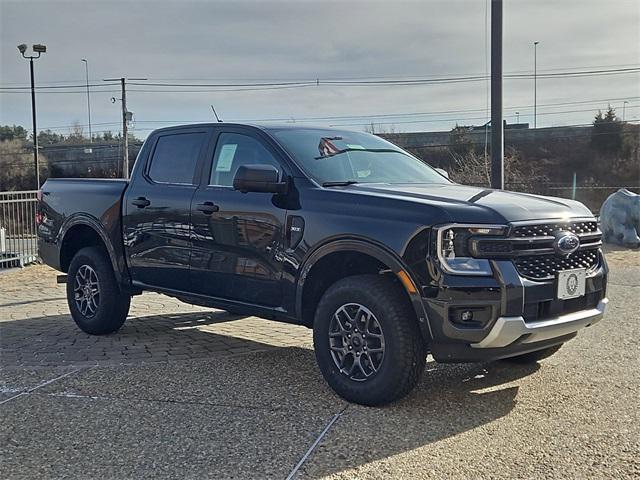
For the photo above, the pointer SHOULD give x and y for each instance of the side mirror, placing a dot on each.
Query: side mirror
(442, 172)
(258, 178)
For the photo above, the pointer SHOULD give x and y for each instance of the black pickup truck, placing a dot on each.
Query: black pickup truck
(384, 257)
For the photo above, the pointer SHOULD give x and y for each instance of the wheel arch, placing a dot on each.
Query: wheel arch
(329, 259)
(82, 231)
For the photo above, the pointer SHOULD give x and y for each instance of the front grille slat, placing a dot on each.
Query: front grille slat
(548, 229)
(542, 267)
(545, 266)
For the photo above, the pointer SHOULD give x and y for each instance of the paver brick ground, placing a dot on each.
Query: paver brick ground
(189, 392)
(37, 329)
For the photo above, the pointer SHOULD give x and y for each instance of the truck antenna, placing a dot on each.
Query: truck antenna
(214, 112)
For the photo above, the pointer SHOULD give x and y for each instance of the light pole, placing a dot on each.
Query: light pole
(624, 107)
(86, 71)
(39, 49)
(517, 117)
(535, 84)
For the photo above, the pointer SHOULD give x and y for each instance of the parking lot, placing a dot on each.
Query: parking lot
(188, 392)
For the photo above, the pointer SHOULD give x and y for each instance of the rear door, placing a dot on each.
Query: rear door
(157, 209)
(237, 236)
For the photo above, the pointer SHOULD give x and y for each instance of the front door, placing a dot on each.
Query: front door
(157, 209)
(237, 236)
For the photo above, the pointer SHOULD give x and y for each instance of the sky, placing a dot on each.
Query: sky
(247, 42)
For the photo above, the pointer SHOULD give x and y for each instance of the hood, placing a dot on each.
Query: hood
(511, 206)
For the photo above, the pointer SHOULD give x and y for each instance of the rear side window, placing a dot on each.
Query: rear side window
(175, 157)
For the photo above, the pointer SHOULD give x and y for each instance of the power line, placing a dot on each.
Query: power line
(441, 112)
(82, 81)
(357, 117)
(438, 120)
(362, 82)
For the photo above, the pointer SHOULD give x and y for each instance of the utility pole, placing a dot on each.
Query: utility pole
(126, 117)
(535, 84)
(497, 127)
(624, 105)
(125, 132)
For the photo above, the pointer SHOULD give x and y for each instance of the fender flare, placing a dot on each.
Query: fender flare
(375, 250)
(93, 223)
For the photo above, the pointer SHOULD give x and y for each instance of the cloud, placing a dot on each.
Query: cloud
(195, 41)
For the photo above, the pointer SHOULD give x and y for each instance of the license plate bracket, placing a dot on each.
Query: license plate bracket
(571, 283)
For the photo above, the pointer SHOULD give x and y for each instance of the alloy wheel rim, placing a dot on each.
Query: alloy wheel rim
(356, 342)
(86, 291)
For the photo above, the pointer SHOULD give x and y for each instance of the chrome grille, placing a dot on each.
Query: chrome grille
(543, 267)
(548, 229)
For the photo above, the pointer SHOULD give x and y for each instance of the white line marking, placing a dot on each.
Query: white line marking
(293, 472)
(44, 384)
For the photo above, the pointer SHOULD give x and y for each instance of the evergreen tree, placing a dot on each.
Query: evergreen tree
(606, 135)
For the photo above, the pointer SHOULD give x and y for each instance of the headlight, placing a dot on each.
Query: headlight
(452, 247)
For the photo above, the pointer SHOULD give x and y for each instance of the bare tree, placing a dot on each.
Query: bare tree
(377, 129)
(472, 168)
(16, 166)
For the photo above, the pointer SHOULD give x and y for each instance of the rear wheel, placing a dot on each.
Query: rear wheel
(97, 304)
(533, 357)
(366, 340)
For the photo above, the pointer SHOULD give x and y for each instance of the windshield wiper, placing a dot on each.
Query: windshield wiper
(339, 184)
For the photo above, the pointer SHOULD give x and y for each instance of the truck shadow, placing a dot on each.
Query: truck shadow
(449, 400)
(55, 340)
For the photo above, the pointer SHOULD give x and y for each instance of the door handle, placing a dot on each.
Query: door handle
(207, 207)
(141, 202)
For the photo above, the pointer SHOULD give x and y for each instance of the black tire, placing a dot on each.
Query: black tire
(403, 357)
(533, 357)
(109, 310)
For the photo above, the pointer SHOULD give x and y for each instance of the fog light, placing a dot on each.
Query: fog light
(470, 316)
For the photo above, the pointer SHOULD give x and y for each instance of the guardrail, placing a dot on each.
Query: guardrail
(18, 238)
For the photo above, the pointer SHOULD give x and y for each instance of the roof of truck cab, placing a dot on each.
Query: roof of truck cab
(264, 127)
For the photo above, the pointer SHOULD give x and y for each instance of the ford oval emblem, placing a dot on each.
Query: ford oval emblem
(566, 243)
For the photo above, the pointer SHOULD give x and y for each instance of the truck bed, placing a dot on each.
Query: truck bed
(65, 201)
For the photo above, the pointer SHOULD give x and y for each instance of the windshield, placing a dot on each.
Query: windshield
(336, 156)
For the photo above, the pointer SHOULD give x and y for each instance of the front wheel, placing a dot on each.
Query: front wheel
(97, 304)
(366, 340)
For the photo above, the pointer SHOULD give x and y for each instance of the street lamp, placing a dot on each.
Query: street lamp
(39, 49)
(624, 107)
(86, 71)
(535, 84)
(517, 117)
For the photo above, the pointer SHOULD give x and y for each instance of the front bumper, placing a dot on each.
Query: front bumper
(507, 330)
(523, 315)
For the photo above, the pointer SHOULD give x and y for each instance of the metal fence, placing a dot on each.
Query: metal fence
(18, 239)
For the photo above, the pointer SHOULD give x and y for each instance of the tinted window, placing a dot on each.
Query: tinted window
(338, 156)
(234, 150)
(175, 157)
